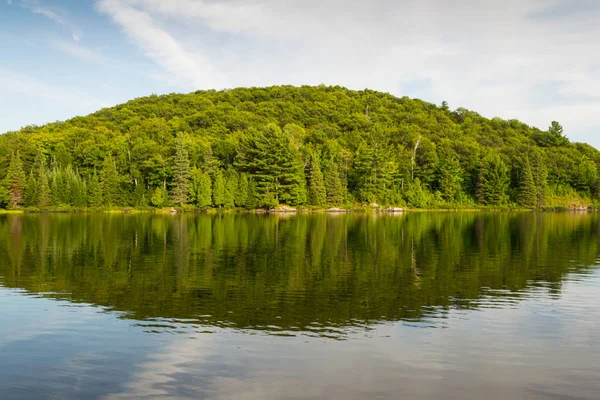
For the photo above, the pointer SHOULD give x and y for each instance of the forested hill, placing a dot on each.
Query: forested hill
(315, 146)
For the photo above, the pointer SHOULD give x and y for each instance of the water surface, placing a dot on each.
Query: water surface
(421, 306)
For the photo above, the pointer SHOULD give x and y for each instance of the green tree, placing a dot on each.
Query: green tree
(44, 195)
(333, 184)
(218, 192)
(16, 181)
(527, 191)
(231, 186)
(94, 195)
(201, 189)
(450, 179)
(181, 173)
(272, 158)
(109, 178)
(495, 180)
(317, 195)
(31, 191)
(160, 197)
(242, 193)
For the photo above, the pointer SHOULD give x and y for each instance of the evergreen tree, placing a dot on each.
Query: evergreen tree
(450, 179)
(181, 174)
(218, 191)
(231, 185)
(31, 189)
(527, 190)
(109, 178)
(273, 160)
(333, 184)
(317, 195)
(540, 178)
(16, 181)
(242, 193)
(44, 195)
(252, 198)
(95, 198)
(203, 190)
(495, 181)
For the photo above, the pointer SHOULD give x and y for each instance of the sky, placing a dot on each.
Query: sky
(533, 60)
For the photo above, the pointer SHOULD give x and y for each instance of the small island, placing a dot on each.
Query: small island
(292, 149)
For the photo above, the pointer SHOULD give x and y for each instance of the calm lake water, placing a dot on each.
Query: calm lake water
(416, 306)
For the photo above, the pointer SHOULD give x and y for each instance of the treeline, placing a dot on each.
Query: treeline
(314, 146)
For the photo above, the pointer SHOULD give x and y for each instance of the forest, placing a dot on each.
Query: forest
(309, 147)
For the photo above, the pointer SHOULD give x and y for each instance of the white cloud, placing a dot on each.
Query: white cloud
(75, 50)
(55, 15)
(515, 59)
(35, 7)
(191, 69)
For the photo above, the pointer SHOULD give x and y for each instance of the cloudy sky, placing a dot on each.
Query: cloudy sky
(535, 60)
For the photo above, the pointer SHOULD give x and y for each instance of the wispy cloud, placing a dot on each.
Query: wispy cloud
(75, 50)
(191, 70)
(36, 7)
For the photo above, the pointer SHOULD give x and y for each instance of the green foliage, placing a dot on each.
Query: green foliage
(16, 181)
(94, 195)
(201, 189)
(527, 196)
(334, 188)
(181, 173)
(218, 189)
(270, 146)
(44, 195)
(109, 178)
(416, 196)
(317, 195)
(231, 186)
(450, 179)
(242, 191)
(494, 181)
(160, 197)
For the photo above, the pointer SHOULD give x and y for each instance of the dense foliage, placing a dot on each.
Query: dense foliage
(315, 146)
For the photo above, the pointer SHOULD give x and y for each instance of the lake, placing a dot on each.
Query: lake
(241, 306)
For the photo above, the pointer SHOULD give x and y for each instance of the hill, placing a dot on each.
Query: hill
(319, 146)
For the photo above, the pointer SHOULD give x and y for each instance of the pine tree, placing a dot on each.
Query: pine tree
(44, 195)
(527, 190)
(204, 194)
(450, 179)
(218, 191)
(31, 189)
(252, 198)
(109, 178)
(272, 158)
(95, 198)
(16, 181)
(181, 174)
(495, 181)
(317, 195)
(333, 184)
(231, 187)
(540, 177)
(242, 193)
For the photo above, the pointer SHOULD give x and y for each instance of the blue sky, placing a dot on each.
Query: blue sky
(535, 60)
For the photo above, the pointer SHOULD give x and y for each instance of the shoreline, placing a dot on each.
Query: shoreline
(287, 210)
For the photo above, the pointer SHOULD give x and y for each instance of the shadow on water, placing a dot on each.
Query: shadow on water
(315, 274)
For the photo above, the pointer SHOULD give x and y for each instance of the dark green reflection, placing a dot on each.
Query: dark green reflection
(293, 272)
